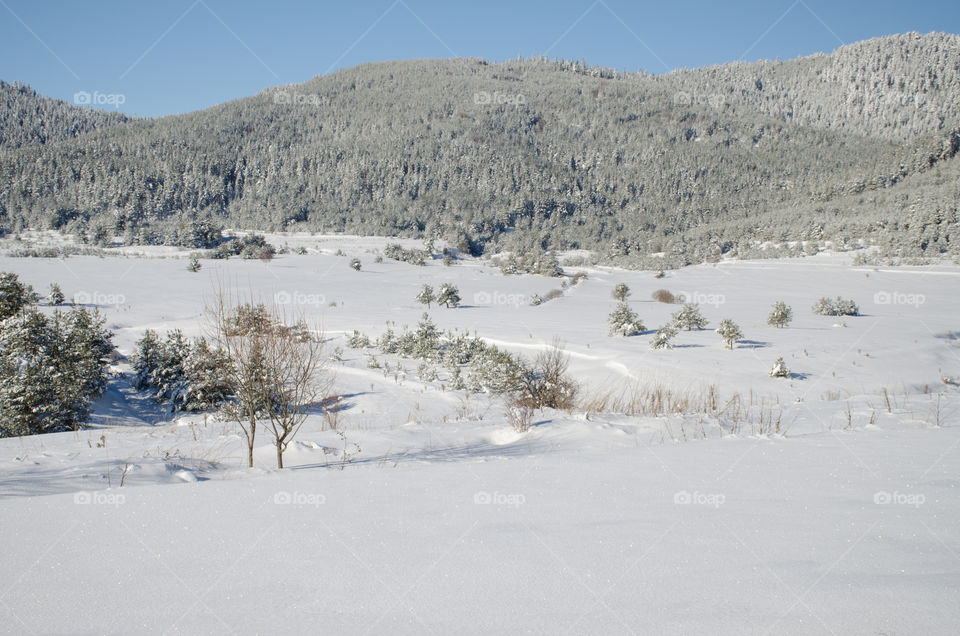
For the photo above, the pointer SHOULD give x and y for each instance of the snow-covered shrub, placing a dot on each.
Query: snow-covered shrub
(730, 332)
(781, 315)
(194, 265)
(247, 247)
(358, 340)
(624, 321)
(780, 369)
(355, 264)
(398, 253)
(836, 307)
(689, 317)
(661, 340)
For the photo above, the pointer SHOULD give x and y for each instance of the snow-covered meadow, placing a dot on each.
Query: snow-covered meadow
(826, 502)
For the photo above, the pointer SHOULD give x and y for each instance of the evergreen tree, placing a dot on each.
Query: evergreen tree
(624, 321)
(51, 369)
(448, 296)
(425, 296)
(781, 315)
(14, 295)
(56, 296)
(689, 317)
(730, 332)
(355, 264)
(780, 369)
(621, 292)
(206, 385)
(146, 359)
(661, 340)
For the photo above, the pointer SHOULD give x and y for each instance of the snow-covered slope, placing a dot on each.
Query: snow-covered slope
(426, 513)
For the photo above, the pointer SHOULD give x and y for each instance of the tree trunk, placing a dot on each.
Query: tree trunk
(250, 455)
(279, 455)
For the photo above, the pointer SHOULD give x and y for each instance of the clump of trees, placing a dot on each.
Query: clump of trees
(276, 372)
(249, 246)
(412, 256)
(52, 367)
(191, 376)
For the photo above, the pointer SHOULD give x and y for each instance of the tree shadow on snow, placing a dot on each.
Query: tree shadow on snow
(752, 344)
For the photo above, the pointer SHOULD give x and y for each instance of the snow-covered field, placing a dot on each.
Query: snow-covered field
(427, 513)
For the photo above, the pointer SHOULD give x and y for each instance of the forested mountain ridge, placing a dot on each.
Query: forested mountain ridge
(27, 118)
(532, 153)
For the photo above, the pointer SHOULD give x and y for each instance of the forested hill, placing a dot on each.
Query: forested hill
(859, 144)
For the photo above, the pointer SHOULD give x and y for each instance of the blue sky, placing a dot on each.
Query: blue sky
(180, 55)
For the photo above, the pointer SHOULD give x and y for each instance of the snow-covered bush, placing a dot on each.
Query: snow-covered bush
(780, 369)
(781, 315)
(358, 340)
(661, 340)
(398, 253)
(689, 317)
(355, 264)
(836, 307)
(624, 321)
(730, 332)
(246, 247)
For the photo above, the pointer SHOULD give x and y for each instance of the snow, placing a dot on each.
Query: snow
(429, 514)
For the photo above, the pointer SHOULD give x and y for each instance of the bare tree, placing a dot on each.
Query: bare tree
(276, 373)
(297, 379)
(241, 332)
